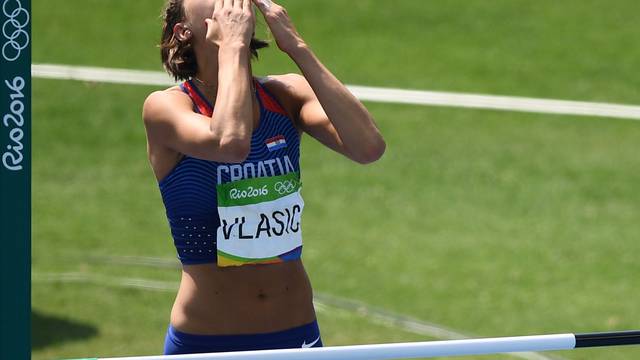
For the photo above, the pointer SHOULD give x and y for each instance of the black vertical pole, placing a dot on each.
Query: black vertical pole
(15, 179)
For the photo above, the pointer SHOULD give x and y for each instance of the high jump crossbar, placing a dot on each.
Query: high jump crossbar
(423, 349)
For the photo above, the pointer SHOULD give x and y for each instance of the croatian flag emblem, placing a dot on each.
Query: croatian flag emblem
(276, 143)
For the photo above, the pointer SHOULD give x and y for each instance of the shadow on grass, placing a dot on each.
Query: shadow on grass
(47, 330)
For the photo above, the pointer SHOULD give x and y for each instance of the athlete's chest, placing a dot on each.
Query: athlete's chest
(275, 151)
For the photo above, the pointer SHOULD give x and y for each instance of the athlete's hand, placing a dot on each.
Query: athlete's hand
(232, 23)
(285, 34)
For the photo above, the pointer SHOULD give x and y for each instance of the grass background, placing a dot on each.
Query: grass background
(490, 223)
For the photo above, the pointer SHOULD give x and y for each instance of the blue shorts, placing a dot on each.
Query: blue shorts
(305, 336)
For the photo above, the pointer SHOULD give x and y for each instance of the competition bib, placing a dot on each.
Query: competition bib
(260, 220)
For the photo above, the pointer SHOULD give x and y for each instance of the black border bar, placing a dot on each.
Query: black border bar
(15, 179)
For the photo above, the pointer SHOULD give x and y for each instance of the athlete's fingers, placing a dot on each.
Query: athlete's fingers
(238, 4)
(263, 5)
(246, 5)
(217, 5)
(228, 4)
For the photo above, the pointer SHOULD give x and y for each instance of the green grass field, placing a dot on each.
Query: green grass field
(488, 223)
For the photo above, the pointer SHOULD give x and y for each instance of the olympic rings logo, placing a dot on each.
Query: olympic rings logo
(18, 39)
(285, 187)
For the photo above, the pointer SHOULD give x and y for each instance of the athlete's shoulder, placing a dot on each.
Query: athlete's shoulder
(162, 102)
(291, 90)
(293, 85)
(161, 97)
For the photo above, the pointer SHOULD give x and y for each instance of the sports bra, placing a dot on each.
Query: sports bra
(191, 190)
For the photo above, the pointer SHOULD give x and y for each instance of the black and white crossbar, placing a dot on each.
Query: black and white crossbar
(424, 349)
(607, 339)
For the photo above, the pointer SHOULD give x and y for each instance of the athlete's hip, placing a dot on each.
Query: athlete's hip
(242, 317)
(303, 336)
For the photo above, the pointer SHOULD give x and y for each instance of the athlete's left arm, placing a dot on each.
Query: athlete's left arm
(328, 110)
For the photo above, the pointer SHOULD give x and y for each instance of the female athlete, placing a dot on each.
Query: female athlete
(224, 147)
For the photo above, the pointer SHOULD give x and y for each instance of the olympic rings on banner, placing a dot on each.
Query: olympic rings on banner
(17, 38)
(285, 187)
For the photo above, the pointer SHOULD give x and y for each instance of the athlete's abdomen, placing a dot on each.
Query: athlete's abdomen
(243, 300)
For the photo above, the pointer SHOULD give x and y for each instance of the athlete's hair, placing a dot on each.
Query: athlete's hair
(178, 57)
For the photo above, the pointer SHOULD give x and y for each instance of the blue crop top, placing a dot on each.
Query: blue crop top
(189, 190)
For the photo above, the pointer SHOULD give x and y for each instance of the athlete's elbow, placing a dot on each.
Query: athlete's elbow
(235, 150)
(371, 152)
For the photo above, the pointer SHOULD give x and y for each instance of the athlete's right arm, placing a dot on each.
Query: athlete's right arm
(171, 122)
(168, 115)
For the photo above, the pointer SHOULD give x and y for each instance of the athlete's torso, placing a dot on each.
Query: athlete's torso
(214, 300)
